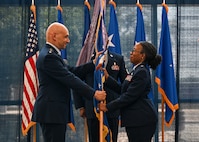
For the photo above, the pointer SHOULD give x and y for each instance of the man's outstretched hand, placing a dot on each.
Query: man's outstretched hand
(100, 95)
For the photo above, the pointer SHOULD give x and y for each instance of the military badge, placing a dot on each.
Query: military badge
(115, 67)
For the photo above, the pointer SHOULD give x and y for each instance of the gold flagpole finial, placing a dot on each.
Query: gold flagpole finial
(33, 9)
(113, 3)
(165, 5)
(138, 4)
(87, 4)
(58, 6)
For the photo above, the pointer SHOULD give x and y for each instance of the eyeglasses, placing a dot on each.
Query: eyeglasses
(137, 51)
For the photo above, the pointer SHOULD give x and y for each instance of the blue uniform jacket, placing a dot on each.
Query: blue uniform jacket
(136, 108)
(55, 81)
(117, 71)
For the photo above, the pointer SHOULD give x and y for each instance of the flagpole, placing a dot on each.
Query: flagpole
(102, 135)
(97, 31)
(162, 119)
(59, 6)
(163, 2)
(101, 124)
(101, 112)
(33, 9)
(85, 130)
(34, 133)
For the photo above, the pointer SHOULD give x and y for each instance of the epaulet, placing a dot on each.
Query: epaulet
(111, 55)
(142, 66)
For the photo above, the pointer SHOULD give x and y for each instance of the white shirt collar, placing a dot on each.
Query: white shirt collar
(58, 51)
(136, 66)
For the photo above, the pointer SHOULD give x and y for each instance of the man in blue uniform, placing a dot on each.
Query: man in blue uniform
(52, 106)
(115, 67)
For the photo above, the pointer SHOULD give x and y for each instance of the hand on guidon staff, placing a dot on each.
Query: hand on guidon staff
(100, 95)
(82, 112)
(105, 73)
(96, 56)
(102, 107)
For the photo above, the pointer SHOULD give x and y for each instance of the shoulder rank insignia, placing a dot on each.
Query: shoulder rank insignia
(50, 50)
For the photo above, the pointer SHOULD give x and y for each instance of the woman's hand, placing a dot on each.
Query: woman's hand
(105, 72)
(82, 112)
(102, 107)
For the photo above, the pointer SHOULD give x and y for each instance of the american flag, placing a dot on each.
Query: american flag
(30, 87)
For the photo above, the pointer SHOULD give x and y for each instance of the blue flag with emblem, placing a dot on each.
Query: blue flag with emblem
(101, 43)
(165, 77)
(99, 79)
(87, 20)
(71, 123)
(140, 35)
(140, 30)
(113, 31)
(60, 20)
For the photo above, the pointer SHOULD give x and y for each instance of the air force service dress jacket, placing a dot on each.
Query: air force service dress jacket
(55, 81)
(136, 108)
(115, 66)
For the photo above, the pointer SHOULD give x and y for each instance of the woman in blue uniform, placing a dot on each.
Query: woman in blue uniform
(138, 114)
